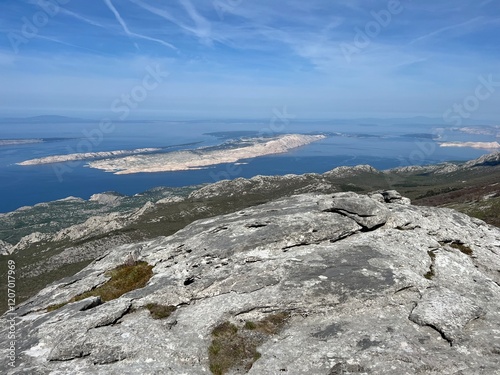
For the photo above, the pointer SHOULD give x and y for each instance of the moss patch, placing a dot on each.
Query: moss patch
(124, 278)
(160, 311)
(234, 348)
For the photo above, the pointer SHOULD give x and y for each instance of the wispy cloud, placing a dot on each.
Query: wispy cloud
(444, 29)
(127, 31)
(80, 17)
(268, 51)
(59, 41)
(202, 28)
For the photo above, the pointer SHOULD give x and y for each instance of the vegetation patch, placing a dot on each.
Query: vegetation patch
(462, 247)
(250, 325)
(229, 349)
(236, 349)
(124, 278)
(270, 325)
(160, 311)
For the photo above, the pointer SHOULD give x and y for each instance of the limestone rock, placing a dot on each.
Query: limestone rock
(30, 239)
(445, 311)
(5, 248)
(106, 198)
(488, 159)
(370, 286)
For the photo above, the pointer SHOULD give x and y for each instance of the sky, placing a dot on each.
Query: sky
(211, 59)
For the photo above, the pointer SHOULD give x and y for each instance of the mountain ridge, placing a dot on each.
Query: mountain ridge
(60, 238)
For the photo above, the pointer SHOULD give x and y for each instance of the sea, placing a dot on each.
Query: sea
(348, 143)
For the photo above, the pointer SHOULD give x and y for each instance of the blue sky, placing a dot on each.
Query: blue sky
(244, 58)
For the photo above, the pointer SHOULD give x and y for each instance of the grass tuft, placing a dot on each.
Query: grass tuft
(160, 311)
(229, 349)
(270, 325)
(235, 349)
(124, 278)
(250, 325)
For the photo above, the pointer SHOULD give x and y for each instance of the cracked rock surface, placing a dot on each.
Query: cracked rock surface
(353, 272)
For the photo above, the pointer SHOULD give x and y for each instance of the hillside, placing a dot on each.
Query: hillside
(57, 239)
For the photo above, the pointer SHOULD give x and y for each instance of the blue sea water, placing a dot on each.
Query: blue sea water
(382, 147)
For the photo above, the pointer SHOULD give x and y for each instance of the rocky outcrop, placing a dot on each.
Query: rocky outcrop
(293, 184)
(369, 285)
(92, 227)
(439, 169)
(30, 239)
(5, 248)
(50, 218)
(342, 172)
(309, 182)
(485, 160)
(488, 160)
(110, 198)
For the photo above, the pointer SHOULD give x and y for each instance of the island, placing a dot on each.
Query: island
(14, 142)
(230, 152)
(481, 145)
(86, 156)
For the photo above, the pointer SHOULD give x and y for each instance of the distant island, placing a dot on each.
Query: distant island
(13, 142)
(86, 156)
(44, 119)
(481, 145)
(245, 148)
(480, 130)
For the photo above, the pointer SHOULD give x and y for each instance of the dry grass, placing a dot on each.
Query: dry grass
(160, 311)
(270, 325)
(229, 349)
(124, 278)
(232, 348)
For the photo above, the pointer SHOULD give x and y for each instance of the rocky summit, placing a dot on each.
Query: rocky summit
(309, 284)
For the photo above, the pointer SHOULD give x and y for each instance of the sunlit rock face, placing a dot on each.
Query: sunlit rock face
(369, 285)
